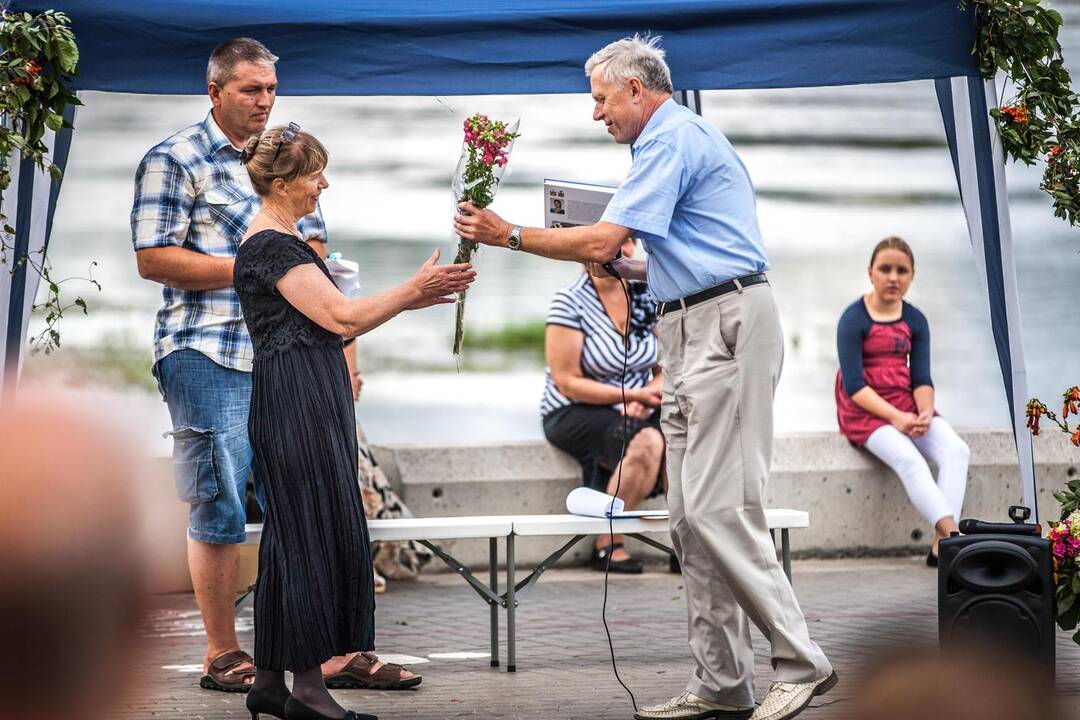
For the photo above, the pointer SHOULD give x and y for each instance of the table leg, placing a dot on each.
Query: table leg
(785, 551)
(511, 650)
(493, 564)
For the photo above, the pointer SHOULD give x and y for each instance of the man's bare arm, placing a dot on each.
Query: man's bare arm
(589, 243)
(185, 269)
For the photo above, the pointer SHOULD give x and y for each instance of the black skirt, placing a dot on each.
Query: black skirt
(597, 435)
(314, 597)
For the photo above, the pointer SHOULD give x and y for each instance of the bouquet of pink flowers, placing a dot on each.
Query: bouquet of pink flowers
(1064, 536)
(1065, 539)
(484, 155)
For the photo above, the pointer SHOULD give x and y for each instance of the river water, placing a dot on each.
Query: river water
(836, 169)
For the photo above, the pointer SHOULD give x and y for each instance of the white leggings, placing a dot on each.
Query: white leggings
(941, 444)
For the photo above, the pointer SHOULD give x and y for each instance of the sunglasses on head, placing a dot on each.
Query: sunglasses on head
(287, 136)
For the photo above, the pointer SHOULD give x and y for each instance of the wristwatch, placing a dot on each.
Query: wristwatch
(514, 241)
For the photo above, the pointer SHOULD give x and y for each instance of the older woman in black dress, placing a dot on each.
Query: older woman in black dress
(314, 595)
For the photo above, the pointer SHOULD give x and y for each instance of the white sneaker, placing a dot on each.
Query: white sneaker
(689, 706)
(786, 700)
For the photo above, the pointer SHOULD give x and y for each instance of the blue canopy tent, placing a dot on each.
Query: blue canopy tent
(475, 47)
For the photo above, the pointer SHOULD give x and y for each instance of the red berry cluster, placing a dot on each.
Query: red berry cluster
(1035, 411)
(1017, 113)
(33, 69)
(1072, 402)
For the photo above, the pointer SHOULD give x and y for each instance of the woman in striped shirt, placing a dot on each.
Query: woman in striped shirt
(583, 407)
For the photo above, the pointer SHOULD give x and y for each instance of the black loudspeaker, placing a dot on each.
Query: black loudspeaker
(996, 589)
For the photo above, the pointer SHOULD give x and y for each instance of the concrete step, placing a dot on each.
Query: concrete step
(856, 504)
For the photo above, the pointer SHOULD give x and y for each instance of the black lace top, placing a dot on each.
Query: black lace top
(275, 325)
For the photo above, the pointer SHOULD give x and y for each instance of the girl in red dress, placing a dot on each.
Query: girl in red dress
(885, 397)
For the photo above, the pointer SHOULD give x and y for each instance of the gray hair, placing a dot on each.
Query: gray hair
(226, 56)
(637, 56)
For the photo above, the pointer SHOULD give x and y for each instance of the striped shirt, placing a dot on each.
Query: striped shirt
(578, 307)
(191, 191)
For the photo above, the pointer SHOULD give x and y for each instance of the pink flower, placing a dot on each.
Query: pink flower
(488, 159)
(501, 160)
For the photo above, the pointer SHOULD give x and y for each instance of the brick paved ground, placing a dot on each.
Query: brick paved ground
(854, 607)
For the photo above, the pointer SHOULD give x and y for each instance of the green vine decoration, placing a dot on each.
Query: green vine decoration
(38, 60)
(1020, 38)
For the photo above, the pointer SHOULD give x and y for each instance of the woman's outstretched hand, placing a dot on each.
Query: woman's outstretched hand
(438, 283)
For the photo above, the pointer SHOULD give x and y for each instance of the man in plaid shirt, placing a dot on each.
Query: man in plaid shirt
(193, 202)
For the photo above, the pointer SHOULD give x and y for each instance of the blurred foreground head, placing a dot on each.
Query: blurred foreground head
(973, 683)
(71, 577)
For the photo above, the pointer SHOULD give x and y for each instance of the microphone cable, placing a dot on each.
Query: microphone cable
(618, 479)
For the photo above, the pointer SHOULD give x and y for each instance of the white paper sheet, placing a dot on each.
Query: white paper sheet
(592, 503)
(346, 275)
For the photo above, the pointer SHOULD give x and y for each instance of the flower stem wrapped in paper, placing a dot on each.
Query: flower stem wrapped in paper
(480, 168)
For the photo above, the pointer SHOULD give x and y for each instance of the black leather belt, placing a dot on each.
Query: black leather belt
(715, 291)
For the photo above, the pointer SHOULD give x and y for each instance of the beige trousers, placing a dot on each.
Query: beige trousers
(721, 361)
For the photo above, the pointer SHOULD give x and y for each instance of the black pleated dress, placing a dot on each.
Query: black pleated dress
(314, 597)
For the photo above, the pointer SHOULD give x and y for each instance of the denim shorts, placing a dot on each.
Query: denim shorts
(212, 455)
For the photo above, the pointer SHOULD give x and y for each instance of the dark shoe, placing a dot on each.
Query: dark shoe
(931, 559)
(673, 565)
(357, 675)
(296, 710)
(599, 561)
(227, 674)
(259, 703)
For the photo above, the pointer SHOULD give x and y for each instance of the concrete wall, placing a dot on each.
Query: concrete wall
(856, 504)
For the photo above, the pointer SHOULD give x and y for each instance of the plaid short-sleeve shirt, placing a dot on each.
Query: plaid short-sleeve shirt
(191, 191)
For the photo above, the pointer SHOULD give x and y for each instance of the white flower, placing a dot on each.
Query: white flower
(1074, 523)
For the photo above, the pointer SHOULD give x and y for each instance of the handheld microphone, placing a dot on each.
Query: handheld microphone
(610, 266)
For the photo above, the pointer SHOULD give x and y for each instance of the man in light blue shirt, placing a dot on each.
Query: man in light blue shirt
(689, 197)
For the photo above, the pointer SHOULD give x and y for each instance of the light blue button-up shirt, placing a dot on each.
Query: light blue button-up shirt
(689, 198)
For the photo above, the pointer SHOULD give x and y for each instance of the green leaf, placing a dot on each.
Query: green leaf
(1067, 620)
(67, 52)
(1065, 602)
(54, 122)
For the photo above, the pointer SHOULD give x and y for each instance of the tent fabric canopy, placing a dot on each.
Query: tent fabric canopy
(488, 47)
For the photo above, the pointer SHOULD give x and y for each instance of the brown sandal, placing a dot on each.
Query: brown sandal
(224, 675)
(357, 675)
